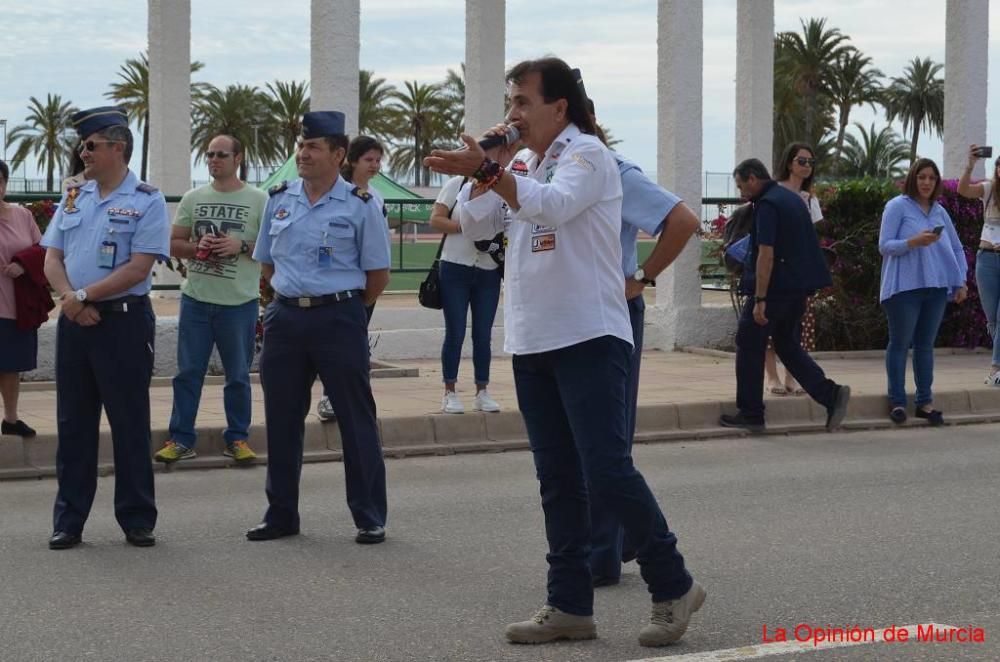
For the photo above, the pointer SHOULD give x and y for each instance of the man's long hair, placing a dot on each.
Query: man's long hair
(557, 82)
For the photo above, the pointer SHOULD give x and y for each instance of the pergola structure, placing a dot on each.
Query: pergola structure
(679, 318)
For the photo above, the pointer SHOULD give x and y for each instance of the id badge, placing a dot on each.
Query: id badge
(325, 256)
(106, 255)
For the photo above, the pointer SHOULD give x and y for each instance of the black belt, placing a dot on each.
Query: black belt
(312, 302)
(121, 305)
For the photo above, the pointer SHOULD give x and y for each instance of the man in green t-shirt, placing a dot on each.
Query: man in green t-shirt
(214, 232)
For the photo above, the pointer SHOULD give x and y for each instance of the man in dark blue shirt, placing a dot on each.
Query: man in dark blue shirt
(784, 266)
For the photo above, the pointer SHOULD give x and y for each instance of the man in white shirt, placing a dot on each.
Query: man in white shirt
(567, 324)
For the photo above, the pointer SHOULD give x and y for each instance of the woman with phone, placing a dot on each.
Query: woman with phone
(988, 256)
(923, 267)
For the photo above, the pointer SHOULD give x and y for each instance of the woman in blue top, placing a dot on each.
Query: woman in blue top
(923, 266)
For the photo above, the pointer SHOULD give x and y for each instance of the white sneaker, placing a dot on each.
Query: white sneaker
(450, 404)
(485, 402)
(993, 379)
(670, 618)
(325, 410)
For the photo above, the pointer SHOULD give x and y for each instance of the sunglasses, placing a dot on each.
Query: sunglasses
(802, 161)
(91, 145)
(218, 155)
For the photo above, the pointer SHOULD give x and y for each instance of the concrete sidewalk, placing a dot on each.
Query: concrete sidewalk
(681, 396)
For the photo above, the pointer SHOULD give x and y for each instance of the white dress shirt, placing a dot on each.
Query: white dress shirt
(563, 278)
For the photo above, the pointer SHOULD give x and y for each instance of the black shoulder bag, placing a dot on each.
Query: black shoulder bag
(429, 294)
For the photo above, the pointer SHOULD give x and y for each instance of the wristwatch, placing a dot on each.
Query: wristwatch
(244, 247)
(80, 295)
(640, 276)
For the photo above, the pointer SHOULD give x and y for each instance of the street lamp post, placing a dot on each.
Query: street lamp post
(3, 124)
(256, 152)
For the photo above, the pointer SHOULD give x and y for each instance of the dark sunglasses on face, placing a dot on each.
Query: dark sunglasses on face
(218, 155)
(802, 161)
(91, 145)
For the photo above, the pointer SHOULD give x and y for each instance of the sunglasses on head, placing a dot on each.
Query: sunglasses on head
(218, 155)
(803, 161)
(91, 145)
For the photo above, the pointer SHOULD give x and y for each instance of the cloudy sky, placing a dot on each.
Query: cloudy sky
(72, 49)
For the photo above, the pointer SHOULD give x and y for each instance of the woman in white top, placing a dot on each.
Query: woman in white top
(470, 278)
(988, 257)
(798, 166)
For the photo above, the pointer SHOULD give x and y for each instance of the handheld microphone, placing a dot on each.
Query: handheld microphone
(509, 137)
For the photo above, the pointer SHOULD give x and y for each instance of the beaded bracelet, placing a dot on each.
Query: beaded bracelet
(488, 174)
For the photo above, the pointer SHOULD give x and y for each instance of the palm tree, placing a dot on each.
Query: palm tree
(132, 91)
(876, 154)
(917, 100)
(808, 60)
(241, 111)
(421, 124)
(288, 103)
(374, 117)
(46, 134)
(453, 90)
(853, 82)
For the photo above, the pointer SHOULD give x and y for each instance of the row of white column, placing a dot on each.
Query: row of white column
(678, 319)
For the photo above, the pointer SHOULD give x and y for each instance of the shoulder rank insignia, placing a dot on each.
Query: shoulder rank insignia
(277, 188)
(364, 195)
(69, 207)
(145, 188)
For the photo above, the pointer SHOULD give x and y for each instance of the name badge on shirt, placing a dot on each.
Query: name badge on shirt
(545, 242)
(106, 255)
(325, 256)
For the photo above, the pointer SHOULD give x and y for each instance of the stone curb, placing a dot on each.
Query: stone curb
(442, 434)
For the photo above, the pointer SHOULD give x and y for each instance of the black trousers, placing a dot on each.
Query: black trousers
(330, 341)
(107, 365)
(784, 315)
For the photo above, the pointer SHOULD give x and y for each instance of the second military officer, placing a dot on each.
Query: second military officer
(102, 243)
(323, 246)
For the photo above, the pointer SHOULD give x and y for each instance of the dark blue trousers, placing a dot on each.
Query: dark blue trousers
(330, 341)
(110, 365)
(574, 405)
(607, 537)
(784, 326)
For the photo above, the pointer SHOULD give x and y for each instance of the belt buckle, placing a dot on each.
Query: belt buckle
(304, 302)
(124, 307)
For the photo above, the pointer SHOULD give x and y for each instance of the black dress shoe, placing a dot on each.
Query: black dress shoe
(370, 536)
(20, 428)
(265, 531)
(742, 422)
(63, 540)
(933, 416)
(140, 537)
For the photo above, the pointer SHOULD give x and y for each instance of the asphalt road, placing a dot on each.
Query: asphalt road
(830, 530)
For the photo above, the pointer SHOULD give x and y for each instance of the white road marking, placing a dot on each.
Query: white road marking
(755, 651)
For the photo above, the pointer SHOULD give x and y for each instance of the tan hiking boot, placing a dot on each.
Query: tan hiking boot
(670, 618)
(550, 624)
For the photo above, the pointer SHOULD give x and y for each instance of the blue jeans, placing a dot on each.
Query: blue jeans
(462, 288)
(574, 405)
(914, 317)
(607, 538)
(988, 280)
(233, 329)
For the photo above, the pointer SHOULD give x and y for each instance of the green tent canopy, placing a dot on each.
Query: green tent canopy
(395, 195)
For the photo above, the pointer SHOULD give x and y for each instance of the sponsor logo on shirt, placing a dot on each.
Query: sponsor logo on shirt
(519, 167)
(545, 242)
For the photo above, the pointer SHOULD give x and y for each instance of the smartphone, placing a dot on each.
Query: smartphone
(938, 229)
(984, 152)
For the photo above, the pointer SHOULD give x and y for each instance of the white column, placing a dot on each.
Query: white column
(484, 64)
(335, 58)
(679, 104)
(965, 60)
(169, 25)
(754, 80)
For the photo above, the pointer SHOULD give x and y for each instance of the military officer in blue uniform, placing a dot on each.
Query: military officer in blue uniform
(323, 246)
(101, 245)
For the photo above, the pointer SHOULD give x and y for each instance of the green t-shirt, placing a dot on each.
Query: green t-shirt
(228, 281)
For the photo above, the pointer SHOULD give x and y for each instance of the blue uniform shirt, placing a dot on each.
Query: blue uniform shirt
(644, 206)
(325, 247)
(99, 236)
